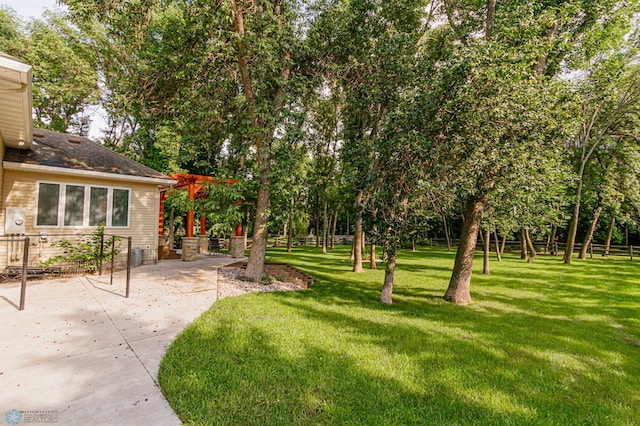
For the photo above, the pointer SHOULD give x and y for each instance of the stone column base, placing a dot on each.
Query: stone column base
(204, 244)
(237, 246)
(189, 249)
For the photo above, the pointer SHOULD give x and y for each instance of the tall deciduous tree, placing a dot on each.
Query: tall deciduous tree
(364, 45)
(497, 108)
(265, 70)
(610, 102)
(491, 119)
(65, 81)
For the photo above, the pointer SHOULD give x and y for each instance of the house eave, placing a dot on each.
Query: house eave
(16, 103)
(86, 173)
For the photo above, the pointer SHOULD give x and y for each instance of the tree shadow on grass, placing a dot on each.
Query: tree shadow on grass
(536, 347)
(251, 380)
(367, 368)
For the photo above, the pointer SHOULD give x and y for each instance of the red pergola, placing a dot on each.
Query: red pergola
(195, 184)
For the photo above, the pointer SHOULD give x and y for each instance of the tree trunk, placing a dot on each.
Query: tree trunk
(502, 244)
(554, 232)
(607, 243)
(573, 225)
(318, 230)
(333, 229)
(587, 239)
(325, 228)
(373, 257)
(358, 236)
(626, 234)
(446, 233)
(255, 264)
(542, 62)
(459, 284)
(546, 246)
(290, 234)
(245, 229)
(490, 20)
(487, 249)
(263, 134)
(523, 245)
(352, 257)
(530, 246)
(495, 234)
(387, 288)
(348, 229)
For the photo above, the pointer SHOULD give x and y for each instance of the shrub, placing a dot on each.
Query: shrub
(85, 250)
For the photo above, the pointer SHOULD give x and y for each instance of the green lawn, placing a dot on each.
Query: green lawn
(544, 344)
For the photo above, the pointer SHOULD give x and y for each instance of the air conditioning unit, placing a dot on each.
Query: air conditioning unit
(15, 221)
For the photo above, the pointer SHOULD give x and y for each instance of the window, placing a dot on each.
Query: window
(81, 205)
(120, 216)
(48, 197)
(98, 206)
(74, 206)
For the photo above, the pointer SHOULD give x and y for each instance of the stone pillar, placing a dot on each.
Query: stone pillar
(204, 244)
(189, 249)
(237, 246)
(163, 247)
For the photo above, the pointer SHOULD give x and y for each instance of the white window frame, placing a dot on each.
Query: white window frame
(62, 198)
(110, 204)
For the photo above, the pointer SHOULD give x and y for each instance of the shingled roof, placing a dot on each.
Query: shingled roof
(79, 153)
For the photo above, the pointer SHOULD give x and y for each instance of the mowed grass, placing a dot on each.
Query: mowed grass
(543, 343)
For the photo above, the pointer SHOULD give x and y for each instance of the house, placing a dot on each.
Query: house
(53, 183)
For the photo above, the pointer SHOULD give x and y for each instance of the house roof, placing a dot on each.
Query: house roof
(15, 102)
(52, 151)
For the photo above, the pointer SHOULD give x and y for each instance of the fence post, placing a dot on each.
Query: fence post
(113, 257)
(128, 265)
(591, 250)
(25, 263)
(101, 253)
(631, 252)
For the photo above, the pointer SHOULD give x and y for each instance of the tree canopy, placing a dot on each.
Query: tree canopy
(398, 120)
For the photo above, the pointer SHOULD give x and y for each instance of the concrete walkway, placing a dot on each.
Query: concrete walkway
(84, 353)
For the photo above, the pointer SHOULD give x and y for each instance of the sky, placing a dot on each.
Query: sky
(28, 9)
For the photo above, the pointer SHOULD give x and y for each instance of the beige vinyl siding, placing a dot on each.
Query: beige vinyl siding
(19, 190)
(2, 150)
(3, 244)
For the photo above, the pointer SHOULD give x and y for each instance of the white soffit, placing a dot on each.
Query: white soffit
(15, 103)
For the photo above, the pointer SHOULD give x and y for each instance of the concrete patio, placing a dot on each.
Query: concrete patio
(87, 355)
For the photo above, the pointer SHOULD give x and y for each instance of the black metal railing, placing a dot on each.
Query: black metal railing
(23, 268)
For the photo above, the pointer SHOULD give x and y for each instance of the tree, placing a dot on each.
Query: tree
(12, 37)
(64, 76)
(364, 46)
(214, 73)
(610, 104)
(65, 82)
(489, 123)
(264, 85)
(485, 85)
